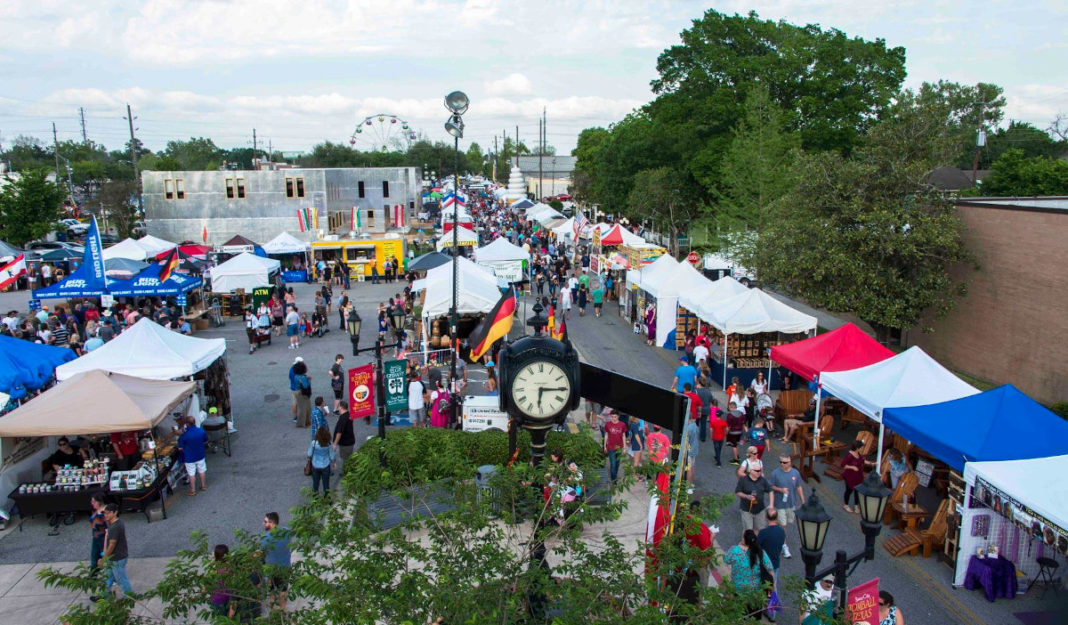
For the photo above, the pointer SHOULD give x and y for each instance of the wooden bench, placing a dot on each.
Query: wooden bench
(913, 540)
(793, 402)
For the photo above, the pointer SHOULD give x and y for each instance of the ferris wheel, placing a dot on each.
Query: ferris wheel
(382, 132)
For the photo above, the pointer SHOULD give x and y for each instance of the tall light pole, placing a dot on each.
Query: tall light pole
(457, 104)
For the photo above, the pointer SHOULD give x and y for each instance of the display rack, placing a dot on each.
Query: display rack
(956, 497)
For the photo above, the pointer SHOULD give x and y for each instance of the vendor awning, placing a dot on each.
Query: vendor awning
(286, 243)
(754, 312)
(26, 366)
(842, 349)
(1000, 424)
(96, 402)
(1037, 483)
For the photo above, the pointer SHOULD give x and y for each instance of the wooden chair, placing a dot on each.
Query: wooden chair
(852, 415)
(906, 486)
(912, 539)
(791, 403)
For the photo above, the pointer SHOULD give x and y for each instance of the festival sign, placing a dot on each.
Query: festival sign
(361, 391)
(260, 295)
(862, 603)
(396, 392)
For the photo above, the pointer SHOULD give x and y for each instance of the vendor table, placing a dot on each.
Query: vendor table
(55, 502)
(295, 276)
(910, 514)
(997, 577)
(139, 500)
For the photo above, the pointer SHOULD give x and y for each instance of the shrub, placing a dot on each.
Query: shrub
(1060, 409)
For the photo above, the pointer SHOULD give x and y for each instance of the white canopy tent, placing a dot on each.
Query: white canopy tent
(503, 258)
(286, 243)
(464, 236)
(244, 271)
(752, 312)
(680, 279)
(911, 378)
(154, 246)
(126, 248)
(711, 293)
(148, 350)
(477, 290)
(651, 279)
(565, 230)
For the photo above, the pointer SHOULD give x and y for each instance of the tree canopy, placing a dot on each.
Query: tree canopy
(1016, 175)
(30, 206)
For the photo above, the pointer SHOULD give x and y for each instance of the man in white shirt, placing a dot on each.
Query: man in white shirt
(416, 404)
(12, 321)
(700, 355)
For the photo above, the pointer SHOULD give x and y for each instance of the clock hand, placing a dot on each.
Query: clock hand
(562, 388)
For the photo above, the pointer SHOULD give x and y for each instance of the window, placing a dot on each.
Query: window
(168, 188)
(385, 188)
(235, 188)
(179, 188)
(294, 187)
(230, 188)
(359, 190)
(370, 214)
(241, 188)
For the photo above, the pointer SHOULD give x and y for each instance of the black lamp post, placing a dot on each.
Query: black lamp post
(354, 322)
(397, 317)
(457, 103)
(813, 523)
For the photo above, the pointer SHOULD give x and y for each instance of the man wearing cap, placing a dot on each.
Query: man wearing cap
(817, 605)
(294, 388)
(684, 374)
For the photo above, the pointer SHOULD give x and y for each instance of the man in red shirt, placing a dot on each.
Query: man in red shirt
(659, 445)
(614, 436)
(125, 446)
(695, 401)
(701, 538)
(719, 433)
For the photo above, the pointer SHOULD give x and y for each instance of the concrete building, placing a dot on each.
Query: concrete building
(182, 205)
(555, 174)
(1011, 327)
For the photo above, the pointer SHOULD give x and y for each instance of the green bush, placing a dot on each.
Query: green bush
(420, 455)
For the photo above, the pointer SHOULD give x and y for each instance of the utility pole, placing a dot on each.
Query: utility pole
(133, 160)
(980, 141)
(85, 136)
(254, 147)
(496, 155)
(541, 148)
(55, 149)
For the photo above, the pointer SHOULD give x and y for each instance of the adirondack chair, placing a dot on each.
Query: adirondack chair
(906, 486)
(852, 415)
(913, 539)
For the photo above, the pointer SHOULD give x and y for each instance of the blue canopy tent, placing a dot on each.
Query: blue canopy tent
(1000, 424)
(88, 280)
(26, 366)
(147, 284)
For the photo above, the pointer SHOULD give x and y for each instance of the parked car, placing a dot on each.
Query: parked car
(139, 230)
(74, 228)
(52, 245)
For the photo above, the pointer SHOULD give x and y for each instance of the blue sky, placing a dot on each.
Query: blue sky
(307, 71)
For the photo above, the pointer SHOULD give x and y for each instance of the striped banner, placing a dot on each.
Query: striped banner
(304, 219)
(355, 219)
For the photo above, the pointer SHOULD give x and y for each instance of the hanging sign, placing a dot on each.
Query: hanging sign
(35, 304)
(396, 391)
(180, 300)
(361, 391)
(862, 603)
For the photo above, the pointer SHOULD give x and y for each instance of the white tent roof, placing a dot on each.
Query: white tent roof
(752, 312)
(711, 293)
(126, 248)
(464, 236)
(285, 243)
(655, 274)
(477, 290)
(682, 279)
(500, 249)
(912, 378)
(244, 271)
(148, 350)
(566, 229)
(1037, 483)
(629, 238)
(154, 246)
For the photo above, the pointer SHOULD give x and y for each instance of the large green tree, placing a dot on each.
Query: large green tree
(196, 154)
(664, 199)
(865, 233)
(758, 167)
(1016, 175)
(30, 205)
(118, 198)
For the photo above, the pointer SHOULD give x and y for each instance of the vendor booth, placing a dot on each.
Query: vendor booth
(106, 403)
(294, 255)
(241, 245)
(155, 246)
(1012, 451)
(147, 284)
(682, 279)
(126, 248)
(844, 348)
(360, 255)
(638, 299)
(26, 366)
(478, 291)
(747, 326)
(428, 261)
(508, 262)
(464, 238)
(244, 271)
(911, 378)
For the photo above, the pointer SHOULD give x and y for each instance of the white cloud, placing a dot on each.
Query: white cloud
(1037, 104)
(512, 84)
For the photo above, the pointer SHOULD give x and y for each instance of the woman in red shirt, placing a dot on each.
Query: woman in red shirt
(853, 474)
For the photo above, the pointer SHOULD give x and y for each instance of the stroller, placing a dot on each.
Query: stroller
(765, 407)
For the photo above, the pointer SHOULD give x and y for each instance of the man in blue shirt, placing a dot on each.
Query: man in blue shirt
(277, 557)
(685, 374)
(294, 388)
(192, 442)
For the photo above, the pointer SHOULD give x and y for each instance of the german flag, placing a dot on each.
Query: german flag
(169, 264)
(493, 326)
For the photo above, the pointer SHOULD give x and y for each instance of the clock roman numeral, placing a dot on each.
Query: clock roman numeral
(560, 399)
(541, 368)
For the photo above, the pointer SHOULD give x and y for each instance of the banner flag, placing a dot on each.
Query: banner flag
(361, 391)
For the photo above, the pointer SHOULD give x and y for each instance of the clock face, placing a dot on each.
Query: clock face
(540, 389)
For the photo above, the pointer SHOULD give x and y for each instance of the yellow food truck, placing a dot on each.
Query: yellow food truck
(361, 254)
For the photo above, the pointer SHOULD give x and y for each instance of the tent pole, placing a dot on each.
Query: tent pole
(879, 450)
(816, 429)
(725, 368)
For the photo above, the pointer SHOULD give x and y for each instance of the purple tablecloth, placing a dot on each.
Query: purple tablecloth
(997, 576)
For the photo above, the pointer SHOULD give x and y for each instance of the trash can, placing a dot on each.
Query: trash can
(483, 475)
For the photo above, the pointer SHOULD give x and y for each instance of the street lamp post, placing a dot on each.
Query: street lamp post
(813, 522)
(457, 103)
(354, 322)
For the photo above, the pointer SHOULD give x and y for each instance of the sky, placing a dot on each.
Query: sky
(302, 72)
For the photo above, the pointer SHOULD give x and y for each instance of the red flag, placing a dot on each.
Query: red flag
(10, 271)
(204, 234)
(361, 391)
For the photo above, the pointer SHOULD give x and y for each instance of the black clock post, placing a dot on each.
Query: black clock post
(540, 383)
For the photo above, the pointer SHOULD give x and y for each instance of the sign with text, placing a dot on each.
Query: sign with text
(361, 391)
(35, 304)
(260, 295)
(862, 603)
(396, 391)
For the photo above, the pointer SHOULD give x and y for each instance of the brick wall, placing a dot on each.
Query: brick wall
(1012, 326)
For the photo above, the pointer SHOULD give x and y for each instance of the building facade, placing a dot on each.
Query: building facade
(1011, 326)
(550, 173)
(260, 204)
